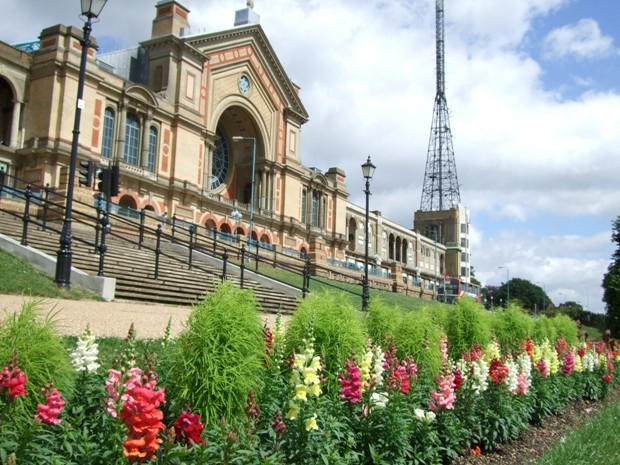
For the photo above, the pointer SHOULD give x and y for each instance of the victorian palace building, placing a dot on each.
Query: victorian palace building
(186, 117)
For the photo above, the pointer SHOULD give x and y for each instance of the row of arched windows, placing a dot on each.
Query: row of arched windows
(138, 150)
(398, 249)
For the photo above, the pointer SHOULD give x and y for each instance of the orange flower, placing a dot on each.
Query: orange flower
(142, 418)
(476, 450)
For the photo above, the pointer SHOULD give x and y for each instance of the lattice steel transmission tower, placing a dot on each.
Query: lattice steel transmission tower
(441, 185)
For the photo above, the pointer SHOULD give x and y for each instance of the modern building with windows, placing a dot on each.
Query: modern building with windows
(194, 122)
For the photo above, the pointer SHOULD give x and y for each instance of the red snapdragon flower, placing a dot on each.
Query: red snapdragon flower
(498, 371)
(543, 368)
(13, 381)
(252, 409)
(458, 379)
(278, 424)
(529, 347)
(351, 383)
(474, 354)
(188, 429)
(268, 336)
(560, 347)
(49, 412)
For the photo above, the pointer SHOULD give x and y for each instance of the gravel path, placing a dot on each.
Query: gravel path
(109, 318)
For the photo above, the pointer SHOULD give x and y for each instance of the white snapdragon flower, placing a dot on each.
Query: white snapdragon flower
(379, 399)
(84, 357)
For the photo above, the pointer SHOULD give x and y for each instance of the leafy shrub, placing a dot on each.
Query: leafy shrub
(414, 334)
(542, 329)
(419, 336)
(382, 321)
(566, 328)
(41, 352)
(511, 326)
(219, 355)
(335, 325)
(468, 324)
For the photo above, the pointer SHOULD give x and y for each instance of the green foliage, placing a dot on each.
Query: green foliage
(596, 443)
(415, 334)
(418, 336)
(543, 328)
(468, 324)
(335, 325)
(41, 353)
(503, 417)
(511, 327)
(565, 328)
(18, 277)
(611, 283)
(219, 355)
(382, 321)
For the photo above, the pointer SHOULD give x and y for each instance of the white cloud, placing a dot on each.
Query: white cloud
(526, 157)
(583, 39)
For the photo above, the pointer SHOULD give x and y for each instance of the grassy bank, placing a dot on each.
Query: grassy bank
(18, 277)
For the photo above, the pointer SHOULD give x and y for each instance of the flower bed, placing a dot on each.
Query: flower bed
(319, 390)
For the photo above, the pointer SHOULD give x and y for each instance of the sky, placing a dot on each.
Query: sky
(533, 88)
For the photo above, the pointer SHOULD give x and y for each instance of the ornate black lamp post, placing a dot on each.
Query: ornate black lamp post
(368, 170)
(91, 10)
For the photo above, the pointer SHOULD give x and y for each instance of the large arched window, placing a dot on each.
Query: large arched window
(152, 158)
(220, 162)
(132, 139)
(109, 120)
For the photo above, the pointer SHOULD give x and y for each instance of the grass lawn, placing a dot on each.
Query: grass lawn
(18, 277)
(597, 443)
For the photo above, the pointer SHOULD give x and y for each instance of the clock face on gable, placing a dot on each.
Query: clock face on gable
(244, 84)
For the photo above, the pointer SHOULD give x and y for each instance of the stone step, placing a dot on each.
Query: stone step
(134, 268)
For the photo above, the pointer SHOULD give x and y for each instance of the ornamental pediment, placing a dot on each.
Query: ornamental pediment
(139, 93)
(247, 49)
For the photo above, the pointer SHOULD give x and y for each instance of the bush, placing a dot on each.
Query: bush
(419, 336)
(382, 321)
(566, 329)
(542, 329)
(511, 327)
(468, 324)
(335, 325)
(41, 353)
(219, 355)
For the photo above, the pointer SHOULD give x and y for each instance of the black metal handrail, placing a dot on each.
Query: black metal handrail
(130, 225)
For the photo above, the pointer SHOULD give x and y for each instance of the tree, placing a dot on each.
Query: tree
(573, 310)
(527, 294)
(611, 284)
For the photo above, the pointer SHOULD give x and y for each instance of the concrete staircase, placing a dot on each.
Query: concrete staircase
(134, 268)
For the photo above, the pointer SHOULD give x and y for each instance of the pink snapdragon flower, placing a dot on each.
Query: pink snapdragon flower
(49, 412)
(443, 398)
(569, 363)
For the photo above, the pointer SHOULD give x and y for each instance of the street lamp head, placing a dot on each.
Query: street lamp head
(368, 169)
(92, 8)
(242, 138)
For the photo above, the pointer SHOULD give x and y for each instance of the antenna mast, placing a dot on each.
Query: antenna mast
(441, 186)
